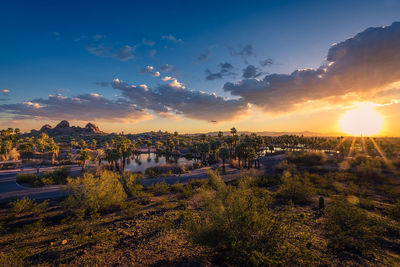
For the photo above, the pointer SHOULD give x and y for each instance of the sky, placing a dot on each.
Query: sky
(191, 67)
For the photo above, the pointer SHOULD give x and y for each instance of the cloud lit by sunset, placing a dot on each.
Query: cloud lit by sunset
(137, 82)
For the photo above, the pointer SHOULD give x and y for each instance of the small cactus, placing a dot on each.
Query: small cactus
(321, 204)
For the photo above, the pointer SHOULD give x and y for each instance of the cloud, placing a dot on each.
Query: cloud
(98, 37)
(85, 107)
(167, 78)
(148, 42)
(204, 56)
(103, 84)
(225, 70)
(251, 72)
(267, 62)
(150, 70)
(174, 98)
(4, 91)
(243, 51)
(123, 53)
(166, 68)
(172, 39)
(360, 67)
(152, 52)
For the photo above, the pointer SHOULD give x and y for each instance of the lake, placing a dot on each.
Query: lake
(140, 162)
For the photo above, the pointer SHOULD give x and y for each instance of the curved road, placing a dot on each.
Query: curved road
(9, 188)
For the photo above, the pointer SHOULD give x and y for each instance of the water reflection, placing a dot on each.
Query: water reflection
(141, 162)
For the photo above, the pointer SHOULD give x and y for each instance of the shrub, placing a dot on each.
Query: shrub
(27, 178)
(160, 188)
(297, 190)
(215, 180)
(26, 205)
(22, 205)
(349, 228)
(239, 225)
(58, 176)
(130, 184)
(307, 158)
(95, 194)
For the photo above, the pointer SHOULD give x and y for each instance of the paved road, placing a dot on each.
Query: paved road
(9, 188)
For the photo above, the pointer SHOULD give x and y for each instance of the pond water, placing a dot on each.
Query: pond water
(140, 162)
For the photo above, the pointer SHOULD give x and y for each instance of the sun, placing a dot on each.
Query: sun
(364, 120)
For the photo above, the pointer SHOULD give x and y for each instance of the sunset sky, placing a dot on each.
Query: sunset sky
(137, 66)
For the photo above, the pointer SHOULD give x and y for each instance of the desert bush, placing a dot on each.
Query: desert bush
(95, 194)
(130, 184)
(22, 205)
(349, 229)
(160, 188)
(307, 158)
(183, 191)
(26, 205)
(296, 189)
(215, 180)
(27, 178)
(164, 170)
(58, 176)
(239, 225)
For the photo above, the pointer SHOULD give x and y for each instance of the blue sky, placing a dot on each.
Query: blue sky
(46, 46)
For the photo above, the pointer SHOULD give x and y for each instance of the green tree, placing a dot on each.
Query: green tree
(224, 155)
(84, 157)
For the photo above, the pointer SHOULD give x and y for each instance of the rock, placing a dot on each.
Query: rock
(90, 127)
(64, 129)
(62, 124)
(45, 128)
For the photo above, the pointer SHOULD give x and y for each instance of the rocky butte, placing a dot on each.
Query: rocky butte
(64, 128)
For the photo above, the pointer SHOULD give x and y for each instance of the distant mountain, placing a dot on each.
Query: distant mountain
(64, 128)
(269, 133)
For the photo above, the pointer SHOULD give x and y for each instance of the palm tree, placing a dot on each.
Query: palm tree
(53, 149)
(84, 157)
(224, 155)
(99, 155)
(233, 131)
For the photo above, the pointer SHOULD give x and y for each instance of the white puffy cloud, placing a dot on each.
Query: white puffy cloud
(175, 98)
(85, 107)
(167, 78)
(360, 66)
(150, 70)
